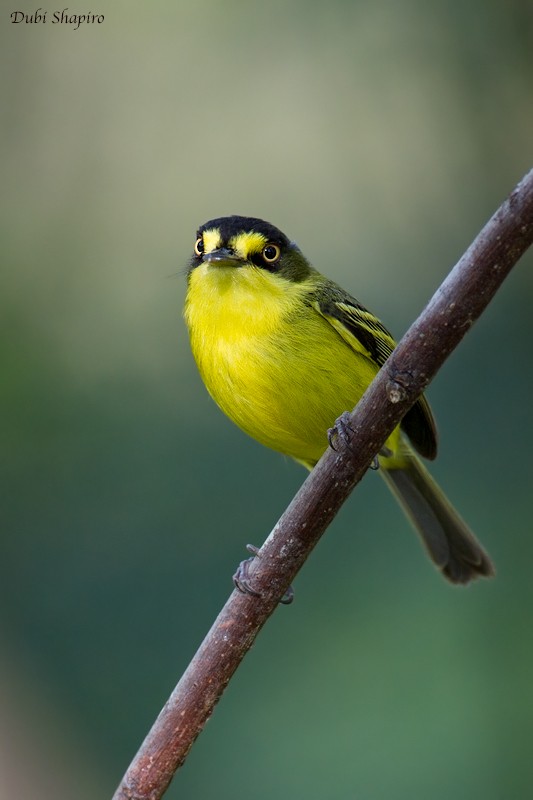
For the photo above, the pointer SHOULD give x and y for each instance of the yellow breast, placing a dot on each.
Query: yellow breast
(273, 364)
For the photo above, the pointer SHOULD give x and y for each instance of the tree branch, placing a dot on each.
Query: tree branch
(455, 306)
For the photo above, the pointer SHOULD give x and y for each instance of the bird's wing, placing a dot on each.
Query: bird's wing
(358, 327)
(364, 333)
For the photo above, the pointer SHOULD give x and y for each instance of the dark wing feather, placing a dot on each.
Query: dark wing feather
(365, 333)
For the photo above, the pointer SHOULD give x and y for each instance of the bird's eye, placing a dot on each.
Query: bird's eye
(271, 253)
(199, 246)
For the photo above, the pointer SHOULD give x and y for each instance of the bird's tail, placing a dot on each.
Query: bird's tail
(449, 541)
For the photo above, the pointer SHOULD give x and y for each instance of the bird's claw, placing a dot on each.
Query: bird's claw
(340, 430)
(241, 579)
(385, 452)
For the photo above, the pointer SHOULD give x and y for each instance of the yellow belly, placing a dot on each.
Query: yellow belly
(282, 375)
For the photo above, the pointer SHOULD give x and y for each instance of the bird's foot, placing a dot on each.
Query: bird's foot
(241, 579)
(340, 430)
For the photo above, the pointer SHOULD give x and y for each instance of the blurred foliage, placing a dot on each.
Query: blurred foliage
(380, 136)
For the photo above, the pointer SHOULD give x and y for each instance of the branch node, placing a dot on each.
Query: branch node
(396, 387)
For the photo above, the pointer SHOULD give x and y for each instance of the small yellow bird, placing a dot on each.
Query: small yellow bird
(284, 352)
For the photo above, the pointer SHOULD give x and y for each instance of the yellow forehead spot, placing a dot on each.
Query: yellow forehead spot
(212, 240)
(245, 244)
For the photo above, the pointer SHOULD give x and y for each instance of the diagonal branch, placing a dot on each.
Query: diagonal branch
(453, 309)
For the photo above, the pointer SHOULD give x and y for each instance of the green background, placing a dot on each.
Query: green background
(380, 136)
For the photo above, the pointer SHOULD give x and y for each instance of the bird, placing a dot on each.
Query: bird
(284, 351)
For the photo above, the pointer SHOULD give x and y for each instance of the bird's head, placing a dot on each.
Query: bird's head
(248, 243)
